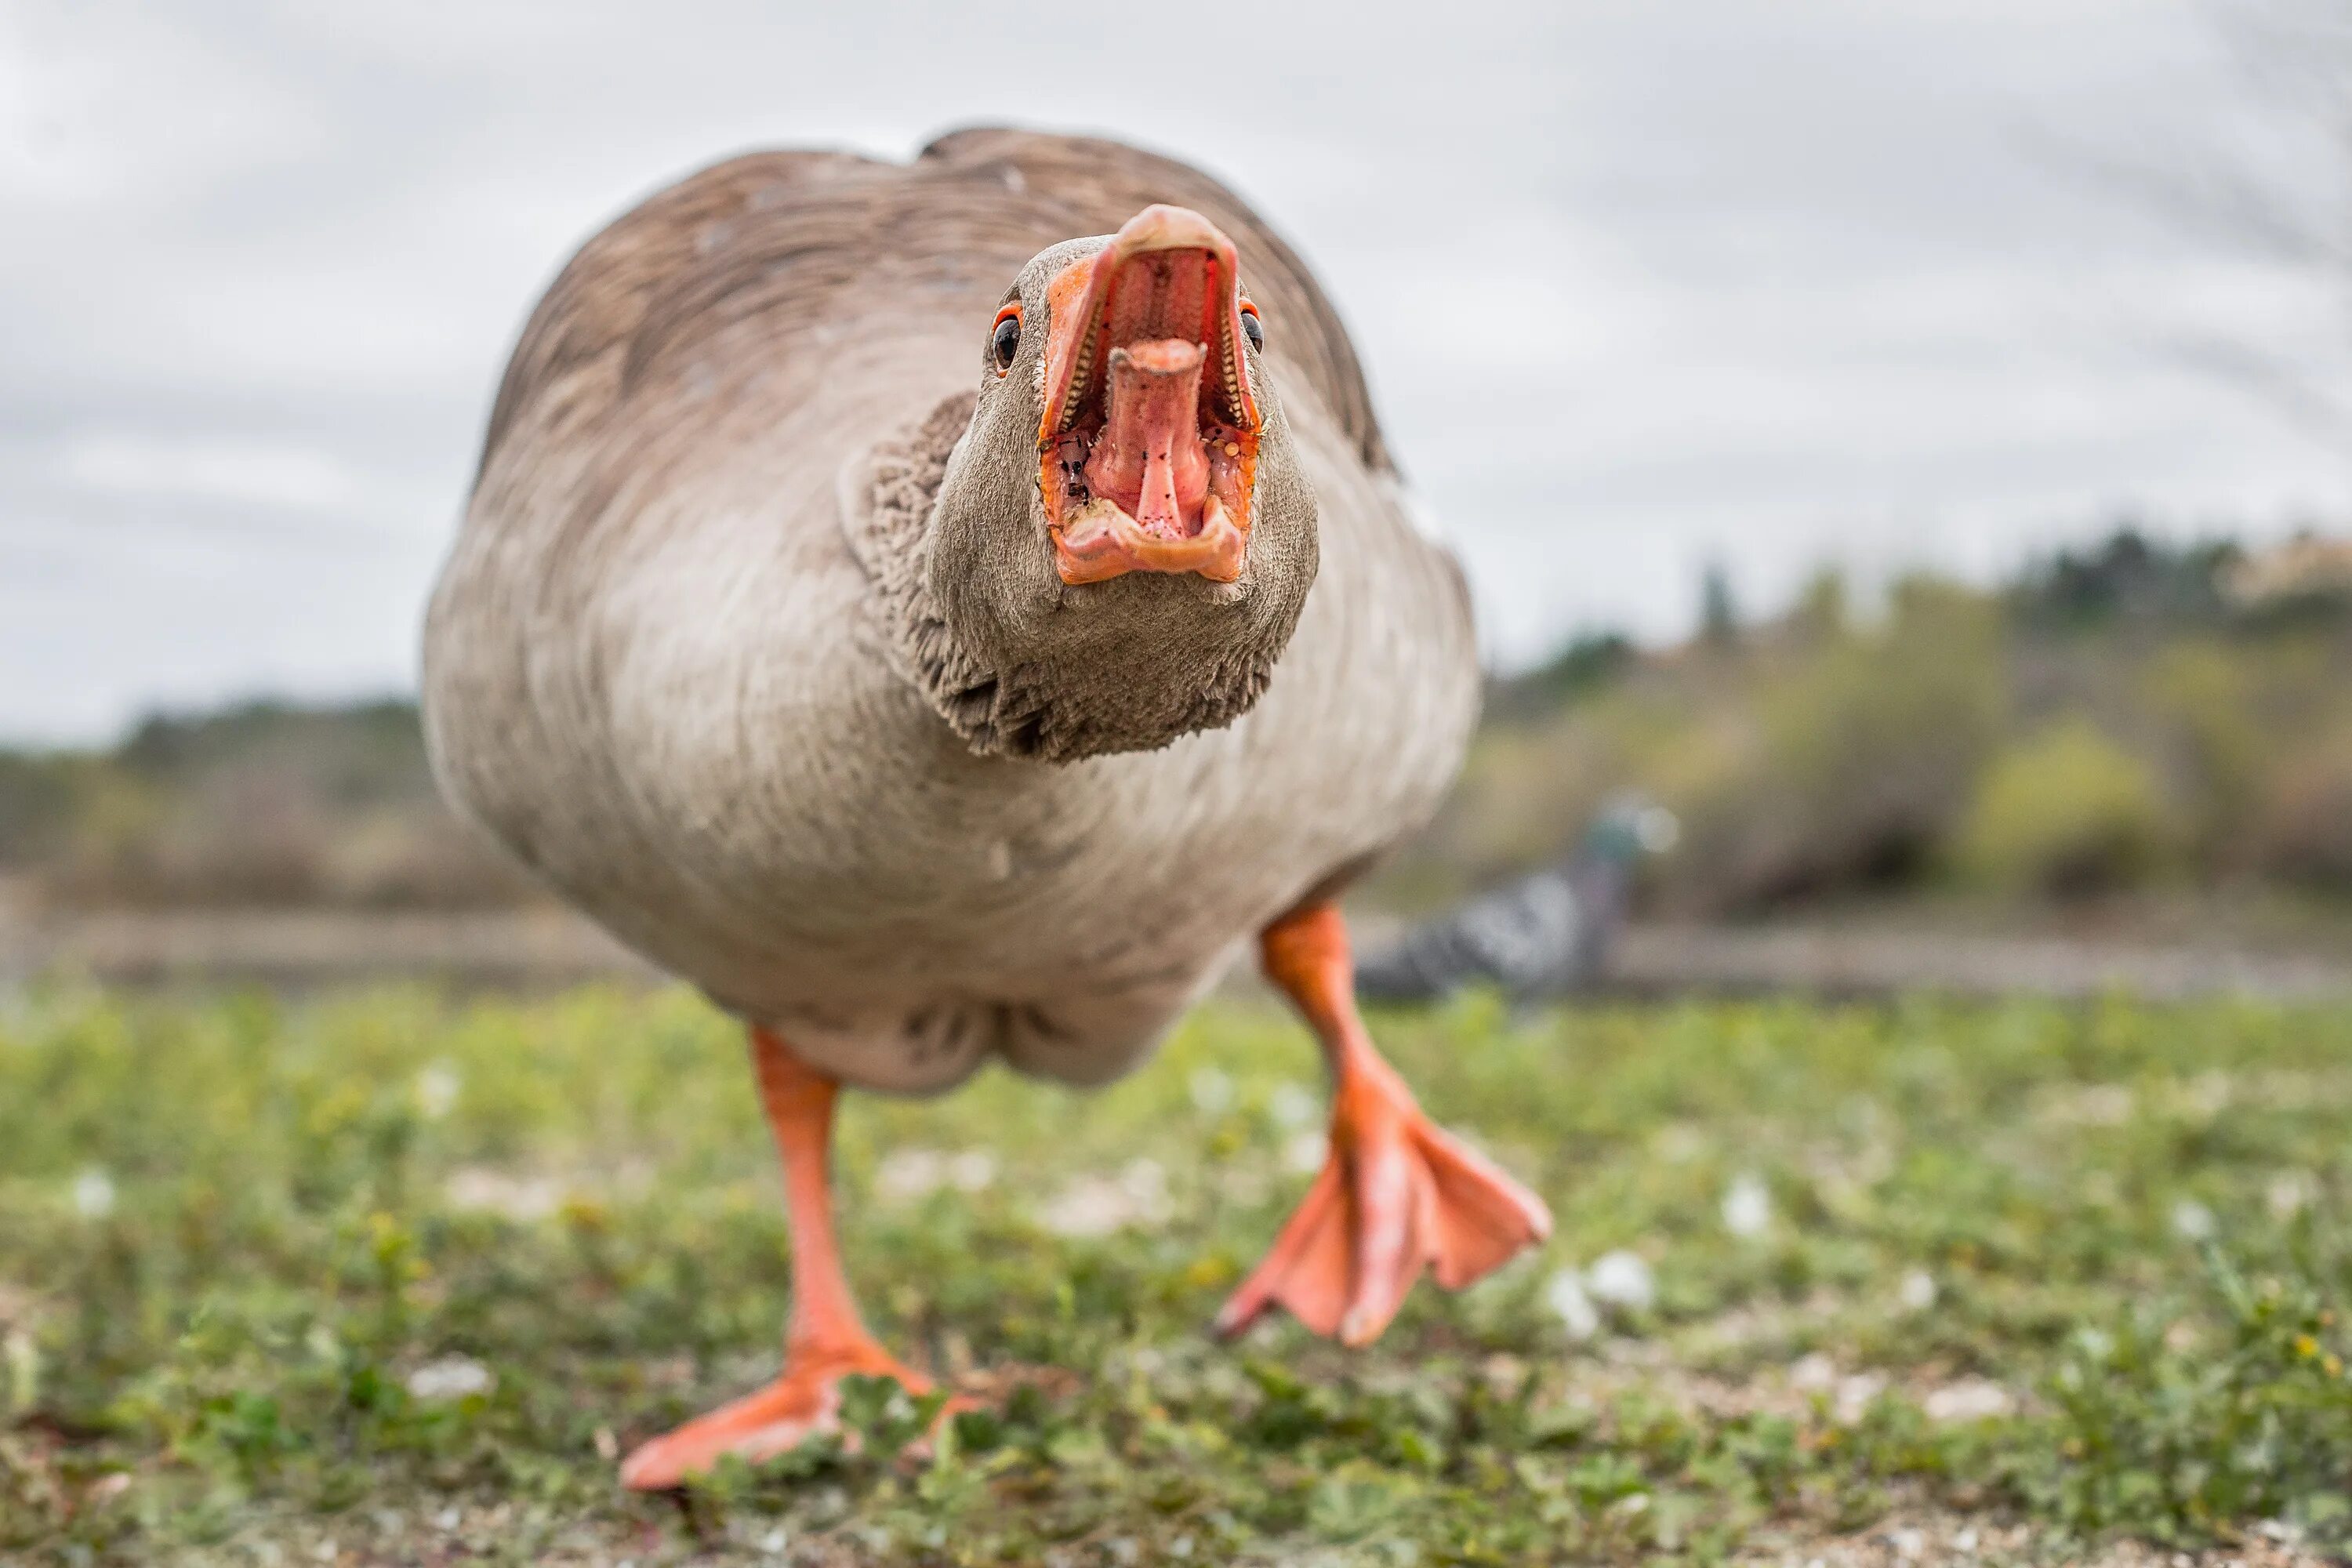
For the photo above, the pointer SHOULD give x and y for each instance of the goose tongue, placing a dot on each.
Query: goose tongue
(1149, 458)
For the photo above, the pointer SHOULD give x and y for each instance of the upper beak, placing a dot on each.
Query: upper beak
(1079, 345)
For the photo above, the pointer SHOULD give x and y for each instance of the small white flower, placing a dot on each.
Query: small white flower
(1565, 1295)
(2192, 1221)
(1094, 1206)
(1748, 1206)
(493, 1191)
(1970, 1399)
(2093, 1105)
(93, 1194)
(1213, 1091)
(437, 1090)
(1305, 1152)
(1680, 1143)
(2291, 1193)
(1813, 1371)
(1620, 1278)
(1087, 1206)
(1854, 1392)
(1145, 1183)
(973, 1171)
(774, 1542)
(451, 1377)
(909, 1174)
(1291, 1105)
(1917, 1291)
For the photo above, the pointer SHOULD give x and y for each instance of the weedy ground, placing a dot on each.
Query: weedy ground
(389, 1276)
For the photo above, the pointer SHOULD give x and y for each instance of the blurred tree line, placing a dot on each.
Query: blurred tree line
(267, 804)
(2134, 715)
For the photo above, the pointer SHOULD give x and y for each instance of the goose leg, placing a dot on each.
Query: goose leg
(1396, 1194)
(826, 1340)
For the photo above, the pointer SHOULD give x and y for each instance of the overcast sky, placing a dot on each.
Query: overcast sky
(1774, 282)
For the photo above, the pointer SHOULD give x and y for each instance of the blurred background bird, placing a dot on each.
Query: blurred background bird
(1546, 934)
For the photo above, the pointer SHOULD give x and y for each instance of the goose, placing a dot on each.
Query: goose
(944, 610)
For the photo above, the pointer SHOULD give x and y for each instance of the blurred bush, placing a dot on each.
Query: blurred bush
(1852, 753)
(2066, 812)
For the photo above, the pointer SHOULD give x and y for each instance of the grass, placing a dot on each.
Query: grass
(388, 1277)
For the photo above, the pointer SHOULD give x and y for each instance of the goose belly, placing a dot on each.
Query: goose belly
(1058, 918)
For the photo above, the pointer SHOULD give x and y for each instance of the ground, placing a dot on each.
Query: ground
(390, 1276)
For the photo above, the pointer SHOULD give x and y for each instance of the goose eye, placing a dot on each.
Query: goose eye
(1006, 341)
(1252, 328)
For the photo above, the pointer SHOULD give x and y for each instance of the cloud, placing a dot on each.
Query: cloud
(259, 473)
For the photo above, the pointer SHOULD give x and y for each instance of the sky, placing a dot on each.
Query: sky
(1774, 283)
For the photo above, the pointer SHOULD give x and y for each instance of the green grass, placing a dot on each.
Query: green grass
(233, 1231)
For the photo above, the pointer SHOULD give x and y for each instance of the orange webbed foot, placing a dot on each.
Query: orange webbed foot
(805, 1399)
(1396, 1194)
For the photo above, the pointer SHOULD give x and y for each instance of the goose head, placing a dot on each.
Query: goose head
(1123, 536)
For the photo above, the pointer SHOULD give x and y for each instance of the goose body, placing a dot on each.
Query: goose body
(667, 662)
(943, 610)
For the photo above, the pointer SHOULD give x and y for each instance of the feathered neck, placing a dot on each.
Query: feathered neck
(1128, 670)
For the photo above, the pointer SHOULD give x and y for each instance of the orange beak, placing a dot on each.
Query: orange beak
(1148, 450)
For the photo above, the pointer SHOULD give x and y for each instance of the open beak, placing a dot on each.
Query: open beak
(1148, 451)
